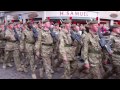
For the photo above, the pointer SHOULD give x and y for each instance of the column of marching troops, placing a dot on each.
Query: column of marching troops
(48, 52)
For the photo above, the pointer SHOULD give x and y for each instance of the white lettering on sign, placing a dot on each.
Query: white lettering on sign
(9, 17)
(73, 13)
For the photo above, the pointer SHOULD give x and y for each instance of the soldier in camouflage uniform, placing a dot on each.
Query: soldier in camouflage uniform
(67, 50)
(24, 61)
(46, 48)
(19, 31)
(11, 48)
(55, 56)
(78, 44)
(2, 42)
(59, 63)
(21, 57)
(115, 41)
(27, 44)
(106, 57)
(38, 59)
(91, 52)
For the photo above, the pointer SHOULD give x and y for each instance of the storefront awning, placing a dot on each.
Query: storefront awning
(82, 18)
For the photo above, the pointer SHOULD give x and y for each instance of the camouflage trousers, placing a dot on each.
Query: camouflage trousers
(46, 54)
(55, 59)
(15, 55)
(95, 72)
(30, 56)
(1, 55)
(69, 68)
(70, 65)
(77, 52)
(116, 65)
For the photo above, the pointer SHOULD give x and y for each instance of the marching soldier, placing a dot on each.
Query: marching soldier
(24, 62)
(2, 42)
(11, 48)
(27, 44)
(46, 48)
(91, 52)
(115, 41)
(59, 63)
(55, 56)
(37, 51)
(78, 44)
(67, 50)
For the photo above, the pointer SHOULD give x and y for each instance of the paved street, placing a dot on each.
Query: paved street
(11, 73)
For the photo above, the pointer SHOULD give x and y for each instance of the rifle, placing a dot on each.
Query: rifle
(103, 42)
(54, 35)
(75, 36)
(16, 35)
(35, 33)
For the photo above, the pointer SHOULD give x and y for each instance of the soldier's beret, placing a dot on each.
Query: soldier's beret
(56, 24)
(93, 22)
(73, 25)
(67, 21)
(46, 20)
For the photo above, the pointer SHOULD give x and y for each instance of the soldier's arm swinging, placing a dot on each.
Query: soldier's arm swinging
(84, 51)
(61, 47)
(38, 45)
(22, 42)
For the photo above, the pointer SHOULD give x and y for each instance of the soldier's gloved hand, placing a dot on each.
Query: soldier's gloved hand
(87, 65)
(65, 58)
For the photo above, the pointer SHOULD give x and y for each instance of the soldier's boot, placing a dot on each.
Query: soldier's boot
(9, 65)
(49, 76)
(20, 69)
(65, 77)
(51, 71)
(48, 73)
(4, 66)
(34, 76)
(24, 69)
(66, 70)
